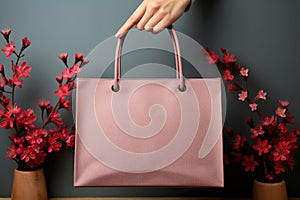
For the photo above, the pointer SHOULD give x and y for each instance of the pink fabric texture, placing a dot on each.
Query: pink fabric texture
(148, 133)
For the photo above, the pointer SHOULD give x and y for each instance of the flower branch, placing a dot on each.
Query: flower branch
(270, 144)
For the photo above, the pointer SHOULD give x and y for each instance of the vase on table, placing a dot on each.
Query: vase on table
(269, 191)
(29, 185)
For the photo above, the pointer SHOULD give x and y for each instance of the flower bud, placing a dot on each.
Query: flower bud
(1, 68)
(6, 32)
(63, 57)
(79, 57)
(25, 43)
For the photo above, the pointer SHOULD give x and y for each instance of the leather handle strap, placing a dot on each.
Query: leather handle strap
(175, 42)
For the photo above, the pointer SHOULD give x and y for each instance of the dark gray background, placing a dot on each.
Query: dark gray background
(263, 34)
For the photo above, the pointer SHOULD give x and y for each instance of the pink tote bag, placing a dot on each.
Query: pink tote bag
(148, 132)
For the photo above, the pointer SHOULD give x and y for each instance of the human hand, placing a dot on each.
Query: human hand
(154, 15)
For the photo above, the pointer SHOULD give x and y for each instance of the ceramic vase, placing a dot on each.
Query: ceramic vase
(29, 185)
(269, 191)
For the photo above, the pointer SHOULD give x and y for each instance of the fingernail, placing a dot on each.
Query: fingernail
(118, 35)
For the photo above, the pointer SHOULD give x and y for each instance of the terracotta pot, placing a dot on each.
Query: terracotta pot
(269, 191)
(29, 185)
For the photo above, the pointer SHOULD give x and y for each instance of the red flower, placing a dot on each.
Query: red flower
(262, 146)
(79, 57)
(9, 49)
(56, 118)
(43, 104)
(67, 74)
(25, 42)
(268, 121)
(282, 149)
(243, 95)
(249, 163)
(27, 154)
(239, 141)
(253, 106)
(75, 69)
(227, 76)
(244, 72)
(261, 95)
(63, 57)
(229, 58)
(54, 143)
(12, 152)
(70, 142)
(26, 118)
(64, 103)
(257, 131)
(63, 91)
(284, 103)
(6, 122)
(282, 128)
(6, 32)
(212, 57)
(279, 167)
(23, 70)
(280, 112)
(232, 87)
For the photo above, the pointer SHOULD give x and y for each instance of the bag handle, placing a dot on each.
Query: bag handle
(178, 62)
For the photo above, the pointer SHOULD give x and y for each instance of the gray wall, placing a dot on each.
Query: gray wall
(264, 35)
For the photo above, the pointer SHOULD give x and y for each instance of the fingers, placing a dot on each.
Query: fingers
(132, 20)
(154, 15)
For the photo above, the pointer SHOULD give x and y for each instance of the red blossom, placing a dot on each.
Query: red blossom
(64, 103)
(75, 69)
(232, 87)
(9, 49)
(63, 57)
(261, 95)
(249, 163)
(239, 141)
(262, 146)
(257, 131)
(282, 128)
(284, 103)
(56, 118)
(6, 122)
(279, 167)
(67, 74)
(253, 106)
(282, 149)
(70, 142)
(227, 75)
(25, 42)
(280, 112)
(79, 57)
(54, 143)
(229, 58)
(6, 32)
(63, 91)
(1, 68)
(243, 95)
(23, 70)
(43, 104)
(268, 120)
(244, 72)
(212, 57)
(12, 152)
(28, 154)
(26, 118)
